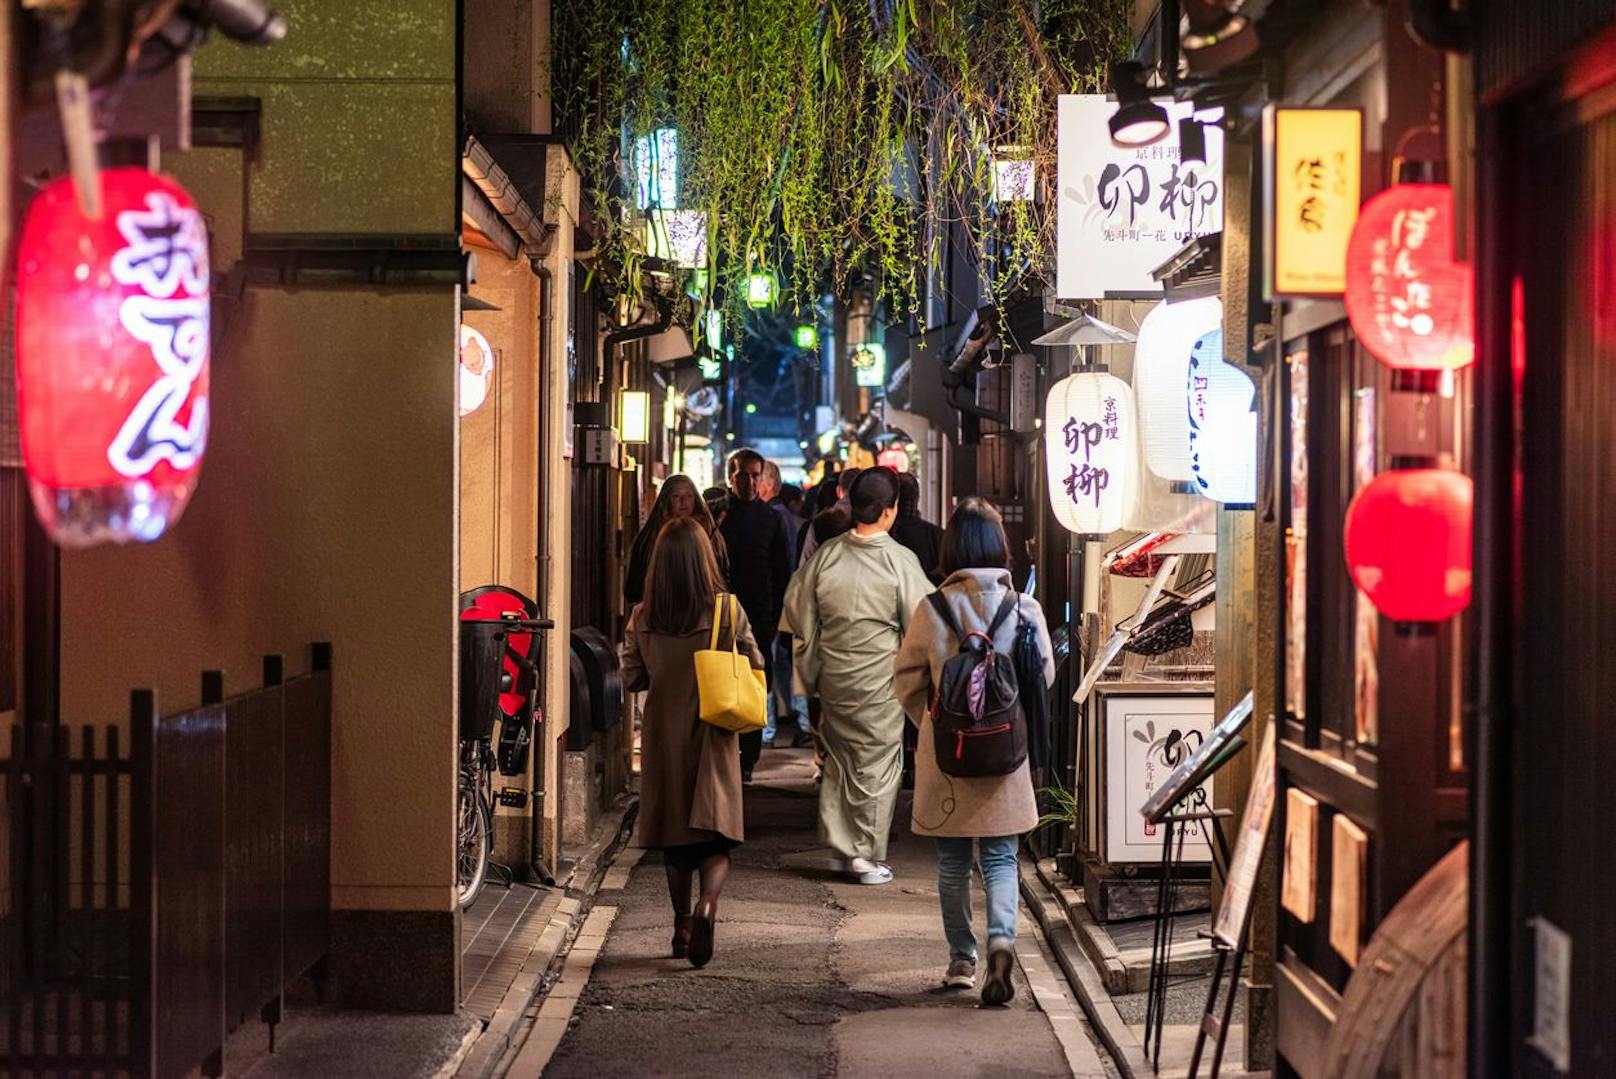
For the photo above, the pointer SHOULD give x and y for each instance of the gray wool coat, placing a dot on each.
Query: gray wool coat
(947, 805)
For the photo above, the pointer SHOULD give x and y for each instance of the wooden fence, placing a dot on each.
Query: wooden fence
(163, 884)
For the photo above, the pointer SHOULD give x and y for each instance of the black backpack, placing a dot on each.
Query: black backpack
(976, 718)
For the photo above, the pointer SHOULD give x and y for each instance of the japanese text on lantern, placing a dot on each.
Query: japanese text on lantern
(1313, 166)
(1397, 256)
(165, 252)
(1088, 480)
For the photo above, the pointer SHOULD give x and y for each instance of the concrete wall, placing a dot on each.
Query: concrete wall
(507, 72)
(328, 499)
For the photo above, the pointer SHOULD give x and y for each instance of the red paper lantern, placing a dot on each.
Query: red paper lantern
(112, 357)
(1410, 303)
(895, 458)
(1408, 543)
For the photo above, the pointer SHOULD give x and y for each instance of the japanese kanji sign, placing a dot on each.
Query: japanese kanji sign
(1313, 163)
(1123, 211)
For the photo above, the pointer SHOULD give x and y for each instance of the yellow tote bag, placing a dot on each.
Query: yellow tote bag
(732, 691)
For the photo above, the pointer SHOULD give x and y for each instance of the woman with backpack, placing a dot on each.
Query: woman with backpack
(690, 778)
(972, 699)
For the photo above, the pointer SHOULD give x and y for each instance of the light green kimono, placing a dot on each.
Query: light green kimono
(848, 608)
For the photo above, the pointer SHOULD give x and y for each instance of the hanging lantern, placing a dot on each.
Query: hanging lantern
(894, 457)
(476, 369)
(1410, 303)
(1408, 543)
(1223, 428)
(1091, 451)
(1161, 362)
(112, 357)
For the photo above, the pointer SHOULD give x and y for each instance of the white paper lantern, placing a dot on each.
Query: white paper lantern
(1161, 360)
(1223, 429)
(1091, 450)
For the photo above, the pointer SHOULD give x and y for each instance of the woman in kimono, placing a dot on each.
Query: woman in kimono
(848, 608)
(690, 779)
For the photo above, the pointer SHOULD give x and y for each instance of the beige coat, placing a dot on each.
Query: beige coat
(690, 771)
(949, 805)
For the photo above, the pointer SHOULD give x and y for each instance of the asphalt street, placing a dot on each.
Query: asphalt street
(811, 976)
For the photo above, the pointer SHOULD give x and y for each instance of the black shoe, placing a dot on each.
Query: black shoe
(746, 775)
(802, 740)
(997, 989)
(701, 932)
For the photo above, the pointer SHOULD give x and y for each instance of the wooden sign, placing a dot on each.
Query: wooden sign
(1349, 852)
(1230, 925)
(1313, 166)
(1298, 891)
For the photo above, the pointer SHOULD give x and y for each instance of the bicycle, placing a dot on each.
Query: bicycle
(512, 701)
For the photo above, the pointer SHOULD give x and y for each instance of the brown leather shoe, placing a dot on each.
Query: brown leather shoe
(701, 931)
(681, 936)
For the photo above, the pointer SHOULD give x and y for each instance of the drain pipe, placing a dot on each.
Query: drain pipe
(542, 556)
(639, 332)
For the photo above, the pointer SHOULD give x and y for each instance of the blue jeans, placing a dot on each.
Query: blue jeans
(1000, 876)
(781, 701)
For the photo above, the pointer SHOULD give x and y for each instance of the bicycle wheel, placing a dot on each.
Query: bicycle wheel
(472, 841)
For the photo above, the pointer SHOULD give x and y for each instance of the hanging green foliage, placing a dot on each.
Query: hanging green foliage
(829, 142)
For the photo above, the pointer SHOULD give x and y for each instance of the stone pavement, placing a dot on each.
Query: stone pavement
(811, 976)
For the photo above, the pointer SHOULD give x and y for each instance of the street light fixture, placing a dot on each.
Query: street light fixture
(1138, 121)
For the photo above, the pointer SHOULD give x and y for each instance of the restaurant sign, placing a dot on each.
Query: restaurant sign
(1312, 171)
(1123, 211)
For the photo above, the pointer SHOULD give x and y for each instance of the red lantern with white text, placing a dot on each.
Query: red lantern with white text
(1408, 543)
(1409, 302)
(112, 357)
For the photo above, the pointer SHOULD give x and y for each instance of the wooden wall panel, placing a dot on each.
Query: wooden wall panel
(1564, 753)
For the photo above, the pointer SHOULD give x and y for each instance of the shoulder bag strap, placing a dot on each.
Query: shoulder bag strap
(718, 620)
(946, 613)
(1010, 605)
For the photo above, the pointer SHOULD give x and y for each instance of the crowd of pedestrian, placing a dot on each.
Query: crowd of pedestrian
(865, 620)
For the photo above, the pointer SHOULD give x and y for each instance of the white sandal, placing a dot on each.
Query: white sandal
(864, 871)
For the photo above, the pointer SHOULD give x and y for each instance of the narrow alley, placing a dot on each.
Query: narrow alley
(811, 976)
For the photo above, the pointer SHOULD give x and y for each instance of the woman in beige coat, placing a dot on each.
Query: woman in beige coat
(990, 811)
(690, 778)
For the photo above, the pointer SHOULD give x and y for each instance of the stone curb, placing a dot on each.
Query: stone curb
(543, 966)
(1126, 1052)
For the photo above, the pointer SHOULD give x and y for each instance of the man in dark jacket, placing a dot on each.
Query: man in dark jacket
(914, 531)
(759, 567)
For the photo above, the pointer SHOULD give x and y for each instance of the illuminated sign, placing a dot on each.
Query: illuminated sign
(1313, 164)
(636, 416)
(869, 364)
(1123, 211)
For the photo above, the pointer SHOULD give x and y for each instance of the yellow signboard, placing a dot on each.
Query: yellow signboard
(1314, 161)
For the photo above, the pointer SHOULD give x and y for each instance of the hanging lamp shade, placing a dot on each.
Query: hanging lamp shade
(1223, 428)
(1409, 302)
(112, 340)
(1161, 363)
(1091, 451)
(1407, 542)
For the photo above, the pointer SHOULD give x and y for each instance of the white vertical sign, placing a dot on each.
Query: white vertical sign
(1123, 211)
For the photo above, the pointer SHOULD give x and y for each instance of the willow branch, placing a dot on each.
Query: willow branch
(1053, 85)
